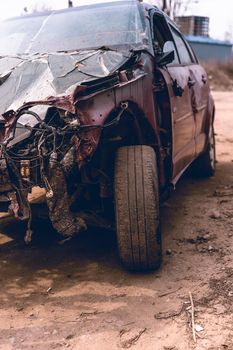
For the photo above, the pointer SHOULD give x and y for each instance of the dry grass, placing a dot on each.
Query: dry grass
(220, 74)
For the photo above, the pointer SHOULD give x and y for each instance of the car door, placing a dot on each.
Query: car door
(200, 91)
(176, 76)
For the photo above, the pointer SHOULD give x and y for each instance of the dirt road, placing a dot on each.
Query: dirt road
(77, 296)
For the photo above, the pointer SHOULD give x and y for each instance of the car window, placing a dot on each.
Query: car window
(170, 46)
(163, 41)
(84, 27)
(185, 57)
(193, 55)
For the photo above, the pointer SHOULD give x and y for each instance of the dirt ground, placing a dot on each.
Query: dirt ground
(77, 296)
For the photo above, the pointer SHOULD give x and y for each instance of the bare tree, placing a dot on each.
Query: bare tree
(36, 8)
(173, 8)
(228, 35)
(40, 8)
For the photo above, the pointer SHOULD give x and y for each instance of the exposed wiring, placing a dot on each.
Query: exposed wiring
(49, 142)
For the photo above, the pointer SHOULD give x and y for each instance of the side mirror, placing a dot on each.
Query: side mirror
(165, 58)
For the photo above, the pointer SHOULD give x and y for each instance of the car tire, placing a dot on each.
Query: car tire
(204, 165)
(137, 208)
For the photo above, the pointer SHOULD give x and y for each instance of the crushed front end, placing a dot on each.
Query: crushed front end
(66, 143)
(67, 103)
(58, 153)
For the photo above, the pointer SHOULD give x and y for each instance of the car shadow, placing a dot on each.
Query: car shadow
(92, 256)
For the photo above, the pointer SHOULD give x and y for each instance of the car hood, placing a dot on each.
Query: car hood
(38, 77)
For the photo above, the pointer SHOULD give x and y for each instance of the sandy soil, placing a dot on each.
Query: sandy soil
(77, 296)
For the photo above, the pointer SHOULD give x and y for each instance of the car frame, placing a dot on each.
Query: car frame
(114, 142)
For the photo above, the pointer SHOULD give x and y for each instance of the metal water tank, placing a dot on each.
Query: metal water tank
(193, 25)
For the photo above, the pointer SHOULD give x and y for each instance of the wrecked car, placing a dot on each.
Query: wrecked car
(104, 106)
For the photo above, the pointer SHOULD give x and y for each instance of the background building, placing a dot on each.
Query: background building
(193, 25)
(208, 49)
(196, 30)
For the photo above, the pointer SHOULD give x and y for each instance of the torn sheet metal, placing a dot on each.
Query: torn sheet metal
(38, 77)
(81, 89)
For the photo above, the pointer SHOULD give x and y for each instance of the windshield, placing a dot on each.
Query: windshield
(109, 24)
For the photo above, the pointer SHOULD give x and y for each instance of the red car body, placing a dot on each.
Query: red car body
(77, 107)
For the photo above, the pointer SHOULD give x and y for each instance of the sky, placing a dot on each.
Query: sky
(221, 22)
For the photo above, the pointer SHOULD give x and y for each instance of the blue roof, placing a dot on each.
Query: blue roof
(207, 40)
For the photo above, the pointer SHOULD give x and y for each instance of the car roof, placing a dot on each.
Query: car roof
(91, 3)
(87, 4)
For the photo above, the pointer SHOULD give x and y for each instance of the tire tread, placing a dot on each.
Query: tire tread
(137, 208)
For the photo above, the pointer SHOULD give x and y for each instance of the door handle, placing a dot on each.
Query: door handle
(191, 82)
(203, 79)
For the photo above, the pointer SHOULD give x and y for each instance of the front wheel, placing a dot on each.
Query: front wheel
(137, 208)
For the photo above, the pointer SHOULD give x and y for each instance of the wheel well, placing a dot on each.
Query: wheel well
(133, 128)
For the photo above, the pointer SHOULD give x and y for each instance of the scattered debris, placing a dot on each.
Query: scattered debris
(224, 192)
(223, 201)
(199, 239)
(20, 308)
(169, 252)
(208, 249)
(69, 336)
(223, 286)
(228, 214)
(211, 248)
(168, 293)
(215, 214)
(115, 296)
(49, 290)
(128, 324)
(198, 328)
(192, 317)
(130, 337)
(92, 313)
(168, 314)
